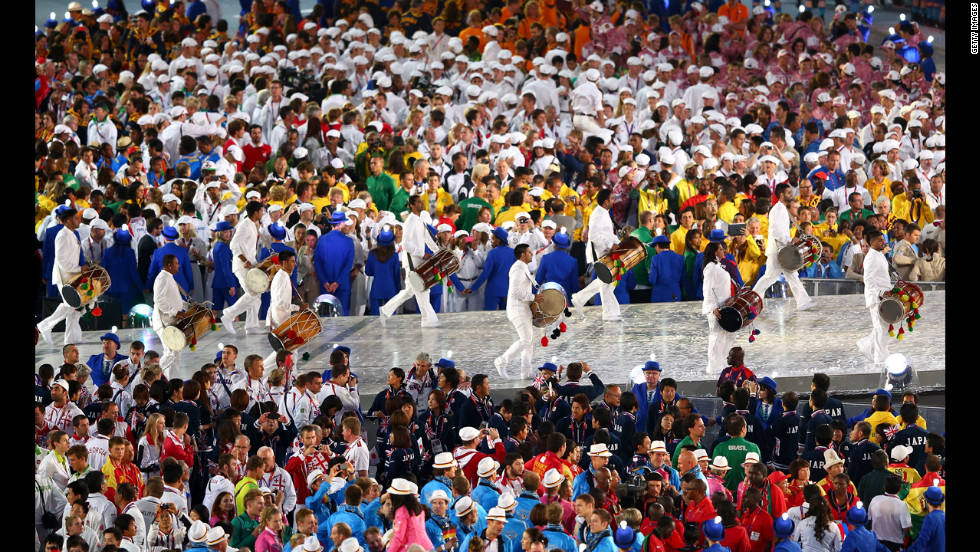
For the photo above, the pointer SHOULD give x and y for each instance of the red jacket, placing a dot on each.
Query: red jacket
(470, 460)
(758, 524)
(176, 449)
(737, 540)
(299, 466)
(255, 154)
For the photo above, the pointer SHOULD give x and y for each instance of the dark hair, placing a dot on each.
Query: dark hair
(406, 501)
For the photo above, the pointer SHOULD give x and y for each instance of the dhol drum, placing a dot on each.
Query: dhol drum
(553, 309)
(620, 259)
(187, 330)
(327, 305)
(793, 257)
(298, 329)
(432, 271)
(739, 310)
(86, 287)
(259, 277)
(897, 303)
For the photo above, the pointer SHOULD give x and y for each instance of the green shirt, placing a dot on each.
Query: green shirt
(243, 536)
(643, 234)
(243, 486)
(735, 450)
(382, 189)
(677, 451)
(399, 202)
(850, 215)
(471, 208)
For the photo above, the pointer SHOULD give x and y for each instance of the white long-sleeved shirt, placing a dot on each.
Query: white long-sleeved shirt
(415, 237)
(244, 242)
(217, 485)
(280, 480)
(717, 287)
(166, 300)
(348, 397)
(66, 251)
(778, 229)
(876, 277)
(280, 303)
(602, 235)
(519, 291)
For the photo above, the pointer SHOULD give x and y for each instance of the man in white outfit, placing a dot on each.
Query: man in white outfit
(717, 287)
(779, 236)
(876, 281)
(415, 238)
(243, 245)
(602, 237)
(586, 104)
(281, 305)
(67, 251)
(519, 299)
(168, 307)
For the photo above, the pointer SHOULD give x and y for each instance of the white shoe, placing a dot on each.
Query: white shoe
(46, 336)
(435, 324)
(228, 325)
(809, 305)
(612, 318)
(500, 368)
(255, 331)
(384, 319)
(864, 350)
(578, 307)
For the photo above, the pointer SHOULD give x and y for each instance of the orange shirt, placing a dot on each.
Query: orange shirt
(550, 16)
(741, 12)
(473, 31)
(583, 35)
(524, 30)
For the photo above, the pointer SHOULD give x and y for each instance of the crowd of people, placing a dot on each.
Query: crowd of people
(177, 151)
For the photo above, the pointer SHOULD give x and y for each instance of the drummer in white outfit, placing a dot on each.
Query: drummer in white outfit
(415, 238)
(168, 307)
(602, 238)
(876, 281)
(67, 252)
(281, 305)
(779, 237)
(519, 299)
(717, 287)
(243, 245)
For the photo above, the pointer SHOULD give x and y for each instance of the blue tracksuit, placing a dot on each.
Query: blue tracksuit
(120, 262)
(334, 259)
(387, 279)
(561, 268)
(782, 433)
(932, 537)
(860, 539)
(435, 527)
(818, 419)
(666, 273)
(624, 428)
(224, 279)
(504, 543)
(433, 486)
(184, 276)
(194, 160)
(514, 531)
(265, 253)
(316, 503)
(552, 412)
(495, 274)
(525, 503)
(350, 515)
(558, 539)
(486, 494)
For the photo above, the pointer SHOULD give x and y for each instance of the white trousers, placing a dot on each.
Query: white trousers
(170, 360)
(875, 343)
(428, 313)
(720, 343)
(586, 124)
(524, 344)
(772, 274)
(73, 332)
(248, 303)
(610, 306)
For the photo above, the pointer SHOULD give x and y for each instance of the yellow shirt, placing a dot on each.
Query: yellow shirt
(319, 203)
(677, 240)
(506, 216)
(884, 417)
(727, 212)
(876, 189)
(442, 200)
(750, 261)
(921, 213)
(686, 191)
(586, 214)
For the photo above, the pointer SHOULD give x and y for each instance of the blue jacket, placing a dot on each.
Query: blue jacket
(433, 486)
(859, 463)
(835, 179)
(554, 411)
(317, 504)
(461, 530)
(666, 273)
(561, 268)
(514, 531)
(224, 278)
(194, 160)
(525, 503)
(434, 530)
(640, 389)
(932, 537)
(387, 276)
(485, 494)
(354, 520)
(120, 262)
(787, 545)
(95, 364)
(184, 276)
(830, 270)
(495, 271)
(559, 539)
(775, 412)
(506, 545)
(782, 434)
(582, 484)
(860, 539)
(370, 511)
(334, 259)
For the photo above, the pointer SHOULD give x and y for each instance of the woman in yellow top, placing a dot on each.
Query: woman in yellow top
(747, 253)
(879, 183)
(435, 196)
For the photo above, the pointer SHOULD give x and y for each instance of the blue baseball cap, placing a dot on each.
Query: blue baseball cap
(548, 366)
(343, 348)
(652, 366)
(661, 239)
(884, 392)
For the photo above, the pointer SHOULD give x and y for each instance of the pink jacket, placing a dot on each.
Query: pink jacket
(408, 530)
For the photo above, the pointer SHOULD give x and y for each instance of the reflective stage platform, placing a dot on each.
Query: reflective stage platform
(792, 345)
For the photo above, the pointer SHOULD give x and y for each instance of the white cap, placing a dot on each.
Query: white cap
(468, 434)
(444, 460)
(350, 545)
(464, 505)
(497, 514)
(439, 494)
(400, 487)
(600, 450)
(552, 479)
(216, 535)
(507, 502)
(900, 452)
(198, 531)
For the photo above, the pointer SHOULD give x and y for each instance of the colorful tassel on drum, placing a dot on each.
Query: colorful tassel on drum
(300, 341)
(97, 311)
(214, 327)
(563, 327)
(84, 280)
(306, 356)
(544, 341)
(556, 334)
(901, 334)
(615, 256)
(891, 330)
(751, 339)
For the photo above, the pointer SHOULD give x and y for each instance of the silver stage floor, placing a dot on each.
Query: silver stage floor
(792, 344)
